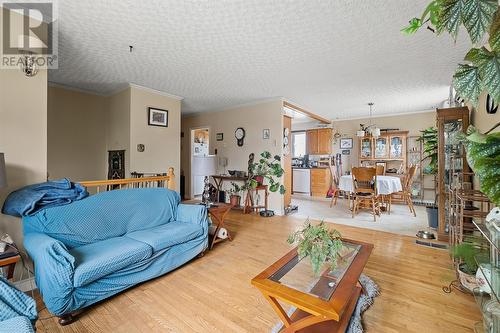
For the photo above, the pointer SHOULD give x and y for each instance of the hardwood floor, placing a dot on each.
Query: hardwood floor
(213, 293)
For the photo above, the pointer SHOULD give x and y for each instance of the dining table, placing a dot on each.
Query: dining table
(385, 184)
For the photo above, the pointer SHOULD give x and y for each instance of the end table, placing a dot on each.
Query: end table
(218, 214)
(10, 263)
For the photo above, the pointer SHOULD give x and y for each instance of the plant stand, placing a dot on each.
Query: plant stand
(250, 205)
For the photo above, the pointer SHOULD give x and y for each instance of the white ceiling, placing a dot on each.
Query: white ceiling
(331, 57)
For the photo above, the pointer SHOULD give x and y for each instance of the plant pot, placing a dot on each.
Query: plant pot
(235, 200)
(468, 281)
(259, 179)
(432, 216)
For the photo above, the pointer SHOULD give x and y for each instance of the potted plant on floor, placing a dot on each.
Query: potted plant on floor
(466, 253)
(429, 139)
(235, 194)
(318, 243)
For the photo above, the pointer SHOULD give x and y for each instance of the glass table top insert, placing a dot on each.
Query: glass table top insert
(298, 274)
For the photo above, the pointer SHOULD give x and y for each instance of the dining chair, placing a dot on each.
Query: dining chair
(380, 169)
(364, 189)
(405, 194)
(334, 189)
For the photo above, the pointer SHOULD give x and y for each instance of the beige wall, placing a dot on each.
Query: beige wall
(162, 144)
(23, 136)
(412, 123)
(482, 120)
(253, 118)
(76, 146)
(118, 125)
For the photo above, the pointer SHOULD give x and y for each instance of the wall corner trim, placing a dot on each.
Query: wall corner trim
(159, 92)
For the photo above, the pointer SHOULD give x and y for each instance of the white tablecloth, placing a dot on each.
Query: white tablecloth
(385, 184)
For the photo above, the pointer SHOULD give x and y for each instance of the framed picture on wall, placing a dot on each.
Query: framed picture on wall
(346, 143)
(346, 152)
(266, 133)
(219, 136)
(157, 117)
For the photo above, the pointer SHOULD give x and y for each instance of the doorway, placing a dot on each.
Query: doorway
(202, 163)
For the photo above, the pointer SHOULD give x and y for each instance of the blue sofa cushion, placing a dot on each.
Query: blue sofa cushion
(105, 215)
(93, 261)
(167, 235)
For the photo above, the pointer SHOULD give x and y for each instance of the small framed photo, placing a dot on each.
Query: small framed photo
(346, 143)
(157, 117)
(266, 133)
(219, 136)
(346, 152)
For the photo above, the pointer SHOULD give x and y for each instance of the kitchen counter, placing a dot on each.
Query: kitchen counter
(296, 167)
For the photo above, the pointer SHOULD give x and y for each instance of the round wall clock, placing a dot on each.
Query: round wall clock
(239, 134)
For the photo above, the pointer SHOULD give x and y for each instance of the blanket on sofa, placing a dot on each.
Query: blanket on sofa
(30, 199)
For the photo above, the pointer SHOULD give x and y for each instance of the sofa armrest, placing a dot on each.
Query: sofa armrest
(193, 214)
(54, 268)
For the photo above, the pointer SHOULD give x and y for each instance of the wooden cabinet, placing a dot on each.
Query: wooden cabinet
(320, 181)
(319, 141)
(388, 147)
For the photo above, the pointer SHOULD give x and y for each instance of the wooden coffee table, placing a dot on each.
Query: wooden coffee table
(324, 303)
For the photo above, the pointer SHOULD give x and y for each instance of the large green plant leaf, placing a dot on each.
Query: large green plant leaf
(450, 16)
(467, 83)
(477, 16)
(494, 40)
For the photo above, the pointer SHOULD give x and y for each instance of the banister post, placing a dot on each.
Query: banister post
(171, 179)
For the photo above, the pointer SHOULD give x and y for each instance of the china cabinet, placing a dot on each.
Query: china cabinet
(450, 123)
(389, 147)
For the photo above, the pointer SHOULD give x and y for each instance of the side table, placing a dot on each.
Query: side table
(10, 263)
(218, 214)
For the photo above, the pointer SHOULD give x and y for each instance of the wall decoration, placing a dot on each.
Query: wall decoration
(286, 147)
(116, 164)
(266, 133)
(346, 152)
(239, 134)
(141, 148)
(157, 117)
(346, 143)
(491, 108)
(219, 136)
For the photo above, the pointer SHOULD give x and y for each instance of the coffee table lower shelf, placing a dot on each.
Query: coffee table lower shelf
(327, 326)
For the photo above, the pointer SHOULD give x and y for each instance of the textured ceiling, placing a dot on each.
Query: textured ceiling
(331, 57)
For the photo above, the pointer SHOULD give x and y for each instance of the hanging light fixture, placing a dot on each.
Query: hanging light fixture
(373, 129)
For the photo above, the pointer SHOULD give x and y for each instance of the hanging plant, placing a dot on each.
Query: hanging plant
(481, 69)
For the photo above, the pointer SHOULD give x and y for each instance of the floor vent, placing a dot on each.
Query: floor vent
(431, 244)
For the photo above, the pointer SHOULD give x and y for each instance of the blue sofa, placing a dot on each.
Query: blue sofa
(17, 310)
(96, 247)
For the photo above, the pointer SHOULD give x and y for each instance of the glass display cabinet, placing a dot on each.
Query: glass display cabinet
(381, 147)
(397, 147)
(450, 122)
(366, 148)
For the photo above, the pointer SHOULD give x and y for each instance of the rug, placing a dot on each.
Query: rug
(371, 290)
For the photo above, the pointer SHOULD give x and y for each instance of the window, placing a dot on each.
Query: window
(299, 144)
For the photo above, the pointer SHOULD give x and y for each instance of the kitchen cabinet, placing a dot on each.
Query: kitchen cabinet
(319, 141)
(320, 182)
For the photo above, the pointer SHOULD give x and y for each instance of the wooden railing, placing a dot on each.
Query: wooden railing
(97, 186)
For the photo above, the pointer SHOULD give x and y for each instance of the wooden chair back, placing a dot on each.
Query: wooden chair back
(335, 176)
(408, 180)
(380, 168)
(364, 179)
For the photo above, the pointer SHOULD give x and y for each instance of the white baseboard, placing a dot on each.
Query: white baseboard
(26, 284)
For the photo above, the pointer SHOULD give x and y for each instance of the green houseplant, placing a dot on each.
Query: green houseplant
(429, 138)
(235, 194)
(267, 168)
(466, 253)
(318, 243)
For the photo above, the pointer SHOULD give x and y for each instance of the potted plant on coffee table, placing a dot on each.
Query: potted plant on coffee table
(319, 243)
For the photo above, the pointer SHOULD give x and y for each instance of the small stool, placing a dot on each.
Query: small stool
(250, 205)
